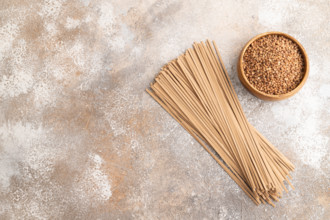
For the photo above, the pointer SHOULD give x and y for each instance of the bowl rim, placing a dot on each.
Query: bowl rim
(264, 95)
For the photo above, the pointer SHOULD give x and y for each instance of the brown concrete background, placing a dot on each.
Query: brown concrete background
(80, 139)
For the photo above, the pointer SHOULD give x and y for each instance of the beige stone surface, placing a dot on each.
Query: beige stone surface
(81, 139)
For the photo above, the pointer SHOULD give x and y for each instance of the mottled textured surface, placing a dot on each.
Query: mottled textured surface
(81, 139)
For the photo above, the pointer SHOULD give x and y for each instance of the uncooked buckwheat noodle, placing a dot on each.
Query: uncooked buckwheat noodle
(196, 90)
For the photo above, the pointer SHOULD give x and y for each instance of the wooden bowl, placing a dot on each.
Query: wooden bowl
(263, 95)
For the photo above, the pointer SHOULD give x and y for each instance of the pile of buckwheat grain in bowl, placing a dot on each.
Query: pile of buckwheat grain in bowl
(274, 64)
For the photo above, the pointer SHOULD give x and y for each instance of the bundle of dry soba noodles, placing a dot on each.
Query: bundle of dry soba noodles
(196, 90)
